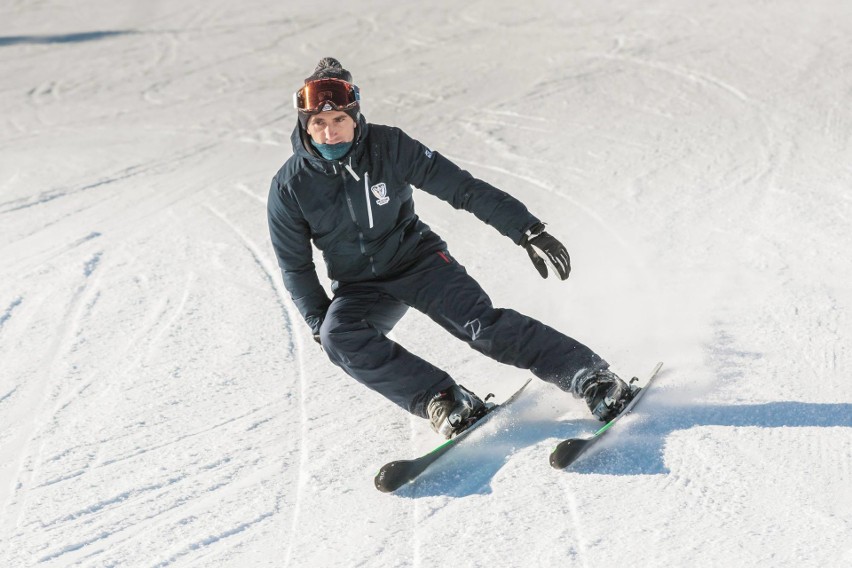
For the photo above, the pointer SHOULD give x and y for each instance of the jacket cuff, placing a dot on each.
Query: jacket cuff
(531, 232)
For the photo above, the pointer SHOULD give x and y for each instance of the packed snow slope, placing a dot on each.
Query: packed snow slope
(162, 403)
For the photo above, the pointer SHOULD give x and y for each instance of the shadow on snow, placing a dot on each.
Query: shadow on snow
(637, 449)
(61, 38)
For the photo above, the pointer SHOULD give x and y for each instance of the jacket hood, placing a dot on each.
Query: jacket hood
(303, 148)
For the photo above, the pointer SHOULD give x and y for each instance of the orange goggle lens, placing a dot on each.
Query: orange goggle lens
(326, 94)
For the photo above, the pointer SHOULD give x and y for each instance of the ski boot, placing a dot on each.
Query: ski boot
(605, 394)
(454, 410)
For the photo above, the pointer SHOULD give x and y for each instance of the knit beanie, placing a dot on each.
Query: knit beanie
(330, 68)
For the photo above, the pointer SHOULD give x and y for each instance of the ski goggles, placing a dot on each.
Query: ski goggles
(321, 95)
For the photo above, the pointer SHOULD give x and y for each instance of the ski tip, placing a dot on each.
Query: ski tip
(393, 475)
(566, 452)
(556, 461)
(383, 488)
(387, 483)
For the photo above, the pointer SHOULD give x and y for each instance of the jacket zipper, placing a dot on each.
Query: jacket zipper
(367, 197)
(355, 219)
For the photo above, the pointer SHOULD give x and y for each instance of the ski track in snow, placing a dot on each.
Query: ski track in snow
(577, 523)
(292, 316)
(28, 467)
(597, 218)
(7, 313)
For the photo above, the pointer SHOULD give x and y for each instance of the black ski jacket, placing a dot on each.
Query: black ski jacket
(359, 211)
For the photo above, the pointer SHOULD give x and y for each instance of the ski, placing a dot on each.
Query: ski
(395, 474)
(569, 451)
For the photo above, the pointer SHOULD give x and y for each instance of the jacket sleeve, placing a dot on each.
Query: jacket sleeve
(291, 239)
(437, 175)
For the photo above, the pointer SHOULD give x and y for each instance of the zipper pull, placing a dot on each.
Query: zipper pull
(351, 171)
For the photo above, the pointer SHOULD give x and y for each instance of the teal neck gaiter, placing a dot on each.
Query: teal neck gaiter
(332, 151)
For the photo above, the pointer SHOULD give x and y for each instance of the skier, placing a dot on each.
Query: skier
(348, 188)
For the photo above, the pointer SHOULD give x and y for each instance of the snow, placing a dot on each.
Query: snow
(163, 404)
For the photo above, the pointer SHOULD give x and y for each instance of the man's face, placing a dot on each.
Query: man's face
(331, 127)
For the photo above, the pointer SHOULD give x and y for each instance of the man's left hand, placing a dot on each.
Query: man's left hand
(541, 247)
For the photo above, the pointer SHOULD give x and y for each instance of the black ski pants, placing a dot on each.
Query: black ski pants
(354, 333)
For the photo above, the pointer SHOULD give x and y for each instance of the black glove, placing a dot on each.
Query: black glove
(541, 246)
(315, 328)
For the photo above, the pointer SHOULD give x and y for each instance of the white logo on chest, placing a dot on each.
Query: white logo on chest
(380, 190)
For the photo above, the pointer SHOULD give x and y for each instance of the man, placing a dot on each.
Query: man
(348, 188)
